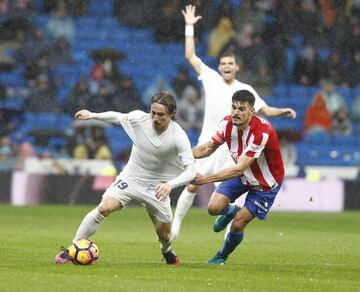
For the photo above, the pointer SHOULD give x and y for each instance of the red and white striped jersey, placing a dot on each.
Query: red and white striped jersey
(258, 140)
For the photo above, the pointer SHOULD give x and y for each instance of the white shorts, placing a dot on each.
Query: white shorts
(219, 160)
(127, 190)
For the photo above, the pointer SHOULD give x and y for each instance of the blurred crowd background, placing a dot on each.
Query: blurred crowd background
(60, 56)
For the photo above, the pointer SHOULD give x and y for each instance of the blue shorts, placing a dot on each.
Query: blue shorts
(258, 202)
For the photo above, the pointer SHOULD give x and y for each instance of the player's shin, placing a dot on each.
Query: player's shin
(231, 242)
(89, 225)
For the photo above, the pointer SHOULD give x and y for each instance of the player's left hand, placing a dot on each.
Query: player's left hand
(290, 113)
(162, 191)
(199, 179)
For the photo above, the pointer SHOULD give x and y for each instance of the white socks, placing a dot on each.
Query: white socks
(89, 225)
(183, 205)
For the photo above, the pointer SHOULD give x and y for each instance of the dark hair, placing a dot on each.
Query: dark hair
(229, 53)
(244, 96)
(167, 100)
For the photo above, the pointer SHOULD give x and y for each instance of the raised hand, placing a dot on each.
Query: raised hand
(189, 15)
(83, 115)
(290, 113)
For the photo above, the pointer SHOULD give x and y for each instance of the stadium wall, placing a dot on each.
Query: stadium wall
(46, 181)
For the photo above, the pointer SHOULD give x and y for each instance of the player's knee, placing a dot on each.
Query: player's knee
(104, 209)
(213, 209)
(192, 188)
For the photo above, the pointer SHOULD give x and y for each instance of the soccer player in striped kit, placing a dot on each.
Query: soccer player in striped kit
(218, 88)
(259, 171)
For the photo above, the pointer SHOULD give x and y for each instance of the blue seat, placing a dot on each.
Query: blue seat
(291, 57)
(193, 136)
(15, 103)
(299, 91)
(355, 91)
(13, 79)
(41, 20)
(100, 7)
(86, 21)
(314, 90)
(118, 139)
(324, 53)
(46, 120)
(280, 90)
(345, 141)
(356, 128)
(109, 23)
(64, 121)
(318, 139)
(297, 40)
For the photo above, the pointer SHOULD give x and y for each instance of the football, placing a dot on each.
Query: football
(83, 252)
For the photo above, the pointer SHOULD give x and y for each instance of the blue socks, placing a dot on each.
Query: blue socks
(229, 210)
(231, 242)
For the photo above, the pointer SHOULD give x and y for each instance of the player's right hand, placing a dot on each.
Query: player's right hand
(189, 15)
(83, 115)
(199, 180)
(162, 191)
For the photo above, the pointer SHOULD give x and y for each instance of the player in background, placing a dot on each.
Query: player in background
(218, 89)
(160, 160)
(259, 171)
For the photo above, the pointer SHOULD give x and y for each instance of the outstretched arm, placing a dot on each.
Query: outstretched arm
(111, 117)
(242, 164)
(190, 21)
(270, 111)
(204, 150)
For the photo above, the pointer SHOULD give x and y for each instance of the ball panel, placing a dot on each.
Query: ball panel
(83, 252)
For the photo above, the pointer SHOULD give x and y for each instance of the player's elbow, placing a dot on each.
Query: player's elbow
(190, 58)
(265, 110)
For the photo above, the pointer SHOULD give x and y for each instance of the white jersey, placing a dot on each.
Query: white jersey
(155, 158)
(218, 95)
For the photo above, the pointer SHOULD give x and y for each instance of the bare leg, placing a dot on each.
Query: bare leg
(217, 203)
(163, 231)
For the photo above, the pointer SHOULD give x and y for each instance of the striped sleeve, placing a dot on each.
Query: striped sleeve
(219, 137)
(256, 144)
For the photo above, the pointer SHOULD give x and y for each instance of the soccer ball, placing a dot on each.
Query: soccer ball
(83, 252)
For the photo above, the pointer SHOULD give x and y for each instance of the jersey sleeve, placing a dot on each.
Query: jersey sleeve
(184, 148)
(220, 135)
(207, 74)
(257, 143)
(127, 121)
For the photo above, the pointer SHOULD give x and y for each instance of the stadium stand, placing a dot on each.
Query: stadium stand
(146, 58)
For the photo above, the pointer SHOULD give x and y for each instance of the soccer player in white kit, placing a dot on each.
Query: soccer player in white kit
(218, 89)
(161, 160)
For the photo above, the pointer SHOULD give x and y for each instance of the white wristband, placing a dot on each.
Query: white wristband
(189, 30)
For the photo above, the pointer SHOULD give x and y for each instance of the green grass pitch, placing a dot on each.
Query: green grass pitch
(288, 252)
